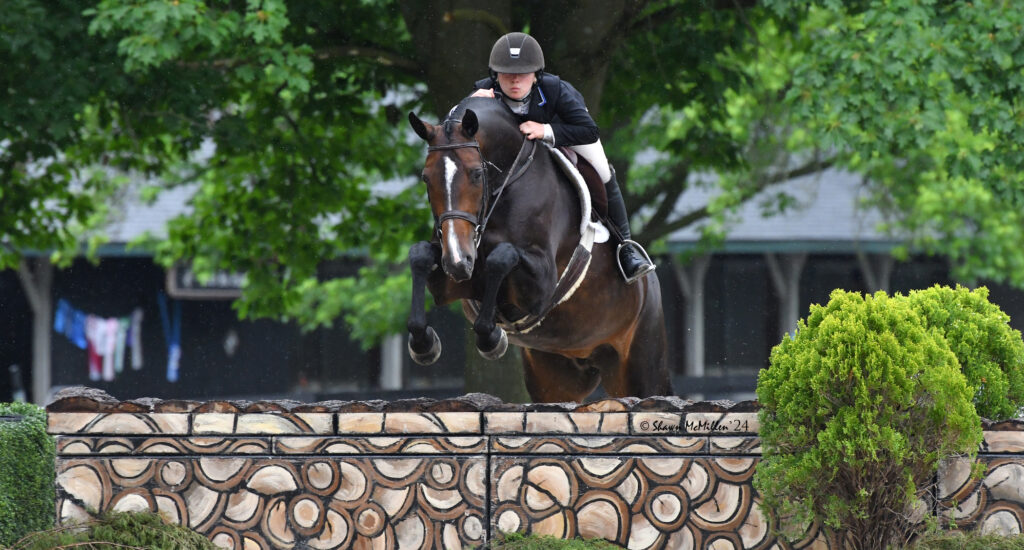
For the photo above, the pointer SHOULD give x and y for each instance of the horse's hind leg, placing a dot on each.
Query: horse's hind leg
(554, 378)
(424, 345)
(642, 370)
(491, 340)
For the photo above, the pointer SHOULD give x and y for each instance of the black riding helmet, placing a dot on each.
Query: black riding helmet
(516, 52)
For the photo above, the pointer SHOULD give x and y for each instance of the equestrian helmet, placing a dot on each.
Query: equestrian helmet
(516, 52)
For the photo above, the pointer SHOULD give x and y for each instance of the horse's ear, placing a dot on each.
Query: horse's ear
(470, 124)
(421, 128)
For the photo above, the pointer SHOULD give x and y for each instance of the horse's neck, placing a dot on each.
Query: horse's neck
(546, 179)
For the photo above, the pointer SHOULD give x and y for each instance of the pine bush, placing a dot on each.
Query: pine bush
(858, 408)
(990, 353)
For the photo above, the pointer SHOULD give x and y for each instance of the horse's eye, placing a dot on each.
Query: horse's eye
(478, 175)
(424, 178)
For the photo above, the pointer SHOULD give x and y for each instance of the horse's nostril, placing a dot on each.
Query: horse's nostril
(460, 271)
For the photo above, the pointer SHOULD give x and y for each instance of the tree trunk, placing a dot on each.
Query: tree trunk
(579, 39)
(453, 42)
(36, 279)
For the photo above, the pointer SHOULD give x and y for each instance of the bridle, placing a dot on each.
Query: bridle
(487, 205)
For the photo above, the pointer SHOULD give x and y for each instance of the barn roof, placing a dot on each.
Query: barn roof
(829, 216)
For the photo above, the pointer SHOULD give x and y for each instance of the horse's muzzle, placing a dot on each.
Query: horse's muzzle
(460, 270)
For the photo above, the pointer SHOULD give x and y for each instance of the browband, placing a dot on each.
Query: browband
(453, 146)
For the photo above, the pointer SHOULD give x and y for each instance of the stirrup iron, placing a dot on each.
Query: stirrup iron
(640, 273)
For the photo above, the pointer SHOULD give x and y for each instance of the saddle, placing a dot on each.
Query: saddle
(598, 196)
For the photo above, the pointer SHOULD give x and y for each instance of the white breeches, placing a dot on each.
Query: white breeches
(594, 153)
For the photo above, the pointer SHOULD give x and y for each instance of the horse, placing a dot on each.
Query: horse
(507, 243)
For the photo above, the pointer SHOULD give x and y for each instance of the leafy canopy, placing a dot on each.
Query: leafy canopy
(284, 118)
(924, 98)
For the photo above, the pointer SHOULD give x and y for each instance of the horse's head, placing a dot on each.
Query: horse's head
(456, 174)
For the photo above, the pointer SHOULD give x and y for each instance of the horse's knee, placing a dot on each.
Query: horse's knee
(422, 257)
(502, 259)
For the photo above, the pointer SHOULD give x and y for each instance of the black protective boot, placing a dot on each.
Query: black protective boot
(633, 259)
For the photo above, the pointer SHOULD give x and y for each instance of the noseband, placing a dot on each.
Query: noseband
(486, 204)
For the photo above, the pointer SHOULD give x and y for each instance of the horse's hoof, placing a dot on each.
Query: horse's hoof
(430, 356)
(499, 349)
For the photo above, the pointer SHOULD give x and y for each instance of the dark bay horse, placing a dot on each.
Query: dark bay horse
(507, 231)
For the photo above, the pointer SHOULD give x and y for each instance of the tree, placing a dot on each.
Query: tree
(304, 104)
(924, 99)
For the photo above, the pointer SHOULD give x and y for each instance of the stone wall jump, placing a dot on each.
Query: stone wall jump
(652, 473)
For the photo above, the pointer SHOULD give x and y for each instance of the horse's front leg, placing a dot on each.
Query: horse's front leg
(424, 345)
(491, 340)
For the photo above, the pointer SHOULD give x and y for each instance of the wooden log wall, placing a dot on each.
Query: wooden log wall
(417, 474)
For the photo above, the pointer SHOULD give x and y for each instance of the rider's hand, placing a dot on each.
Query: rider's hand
(483, 92)
(532, 130)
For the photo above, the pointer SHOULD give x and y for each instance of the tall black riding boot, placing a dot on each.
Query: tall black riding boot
(633, 259)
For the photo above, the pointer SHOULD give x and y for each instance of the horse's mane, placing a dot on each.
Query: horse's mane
(486, 109)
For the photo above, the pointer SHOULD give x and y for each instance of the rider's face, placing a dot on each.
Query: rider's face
(516, 85)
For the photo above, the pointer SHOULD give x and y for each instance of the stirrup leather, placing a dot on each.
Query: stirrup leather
(641, 272)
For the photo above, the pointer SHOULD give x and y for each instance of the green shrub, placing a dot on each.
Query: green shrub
(142, 531)
(967, 541)
(27, 500)
(857, 411)
(991, 354)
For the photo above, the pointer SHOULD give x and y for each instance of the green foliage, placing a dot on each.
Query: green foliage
(27, 498)
(302, 103)
(136, 531)
(50, 196)
(923, 98)
(520, 541)
(990, 353)
(967, 541)
(713, 110)
(302, 132)
(858, 409)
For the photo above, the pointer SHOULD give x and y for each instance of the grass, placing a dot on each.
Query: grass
(147, 531)
(519, 541)
(959, 540)
(124, 531)
(946, 540)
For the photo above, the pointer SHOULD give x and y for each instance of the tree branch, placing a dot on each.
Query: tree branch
(658, 13)
(676, 178)
(664, 210)
(479, 16)
(816, 165)
(302, 138)
(653, 232)
(384, 57)
(380, 55)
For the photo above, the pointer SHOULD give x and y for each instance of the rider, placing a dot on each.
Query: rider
(553, 110)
